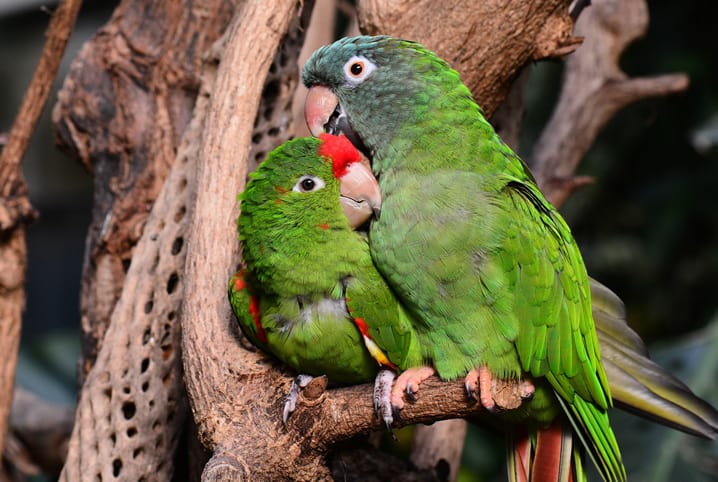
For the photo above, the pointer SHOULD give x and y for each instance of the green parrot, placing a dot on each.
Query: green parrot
(487, 268)
(309, 292)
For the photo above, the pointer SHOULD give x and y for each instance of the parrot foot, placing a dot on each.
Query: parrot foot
(382, 397)
(408, 384)
(494, 393)
(299, 382)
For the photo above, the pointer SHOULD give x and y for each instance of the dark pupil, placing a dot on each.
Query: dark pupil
(307, 184)
(356, 69)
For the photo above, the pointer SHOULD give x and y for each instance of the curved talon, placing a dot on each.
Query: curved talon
(411, 392)
(408, 383)
(299, 382)
(471, 384)
(526, 389)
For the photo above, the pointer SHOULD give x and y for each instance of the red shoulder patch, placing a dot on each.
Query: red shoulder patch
(340, 151)
(254, 311)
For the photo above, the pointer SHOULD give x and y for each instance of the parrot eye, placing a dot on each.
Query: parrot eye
(308, 184)
(357, 69)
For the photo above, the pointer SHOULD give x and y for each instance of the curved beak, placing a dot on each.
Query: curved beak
(360, 195)
(319, 106)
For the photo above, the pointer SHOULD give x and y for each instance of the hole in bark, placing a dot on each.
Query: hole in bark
(137, 452)
(155, 263)
(146, 336)
(259, 156)
(166, 351)
(113, 438)
(172, 283)
(182, 184)
(107, 392)
(144, 365)
(165, 335)
(116, 467)
(125, 265)
(273, 131)
(166, 378)
(131, 432)
(126, 390)
(128, 410)
(180, 214)
(148, 307)
(98, 477)
(257, 138)
(145, 386)
(270, 92)
(151, 403)
(177, 245)
(171, 315)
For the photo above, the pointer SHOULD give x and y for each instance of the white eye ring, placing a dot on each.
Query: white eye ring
(308, 184)
(357, 69)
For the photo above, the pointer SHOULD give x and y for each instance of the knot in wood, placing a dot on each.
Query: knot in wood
(315, 392)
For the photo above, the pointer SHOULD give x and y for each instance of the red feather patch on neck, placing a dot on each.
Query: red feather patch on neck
(340, 151)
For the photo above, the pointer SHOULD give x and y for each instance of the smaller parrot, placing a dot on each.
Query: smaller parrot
(309, 293)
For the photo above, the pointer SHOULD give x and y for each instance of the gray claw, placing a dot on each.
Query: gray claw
(410, 392)
(299, 382)
(382, 396)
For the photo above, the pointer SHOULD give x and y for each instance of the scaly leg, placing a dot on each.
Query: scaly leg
(298, 383)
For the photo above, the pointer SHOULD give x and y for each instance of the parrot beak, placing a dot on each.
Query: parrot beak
(360, 195)
(319, 108)
(324, 113)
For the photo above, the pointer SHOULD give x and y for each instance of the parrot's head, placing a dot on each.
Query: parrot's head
(308, 182)
(368, 88)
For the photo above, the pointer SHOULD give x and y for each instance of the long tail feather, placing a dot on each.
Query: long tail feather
(592, 427)
(518, 454)
(547, 455)
(637, 383)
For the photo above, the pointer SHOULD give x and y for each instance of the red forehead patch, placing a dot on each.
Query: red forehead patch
(341, 152)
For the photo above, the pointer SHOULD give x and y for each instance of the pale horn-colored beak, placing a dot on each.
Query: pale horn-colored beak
(360, 194)
(318, 108)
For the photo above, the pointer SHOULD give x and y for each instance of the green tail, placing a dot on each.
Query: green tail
(591, 425)
(637, 383)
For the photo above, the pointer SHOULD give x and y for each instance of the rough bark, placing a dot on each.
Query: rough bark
(121, 112)
(15, 208)
(487, 42)
(594, 88)
(231, 388)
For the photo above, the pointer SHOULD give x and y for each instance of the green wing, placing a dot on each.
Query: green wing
(377, 312)
(246, 308)
(557, 338)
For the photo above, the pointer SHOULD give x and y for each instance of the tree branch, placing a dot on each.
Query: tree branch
(594, 89)
(488, 42)
(38, 434)
(15, 208)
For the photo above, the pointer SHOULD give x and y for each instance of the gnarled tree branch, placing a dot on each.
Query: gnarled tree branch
(15, 208)
(594, 89)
